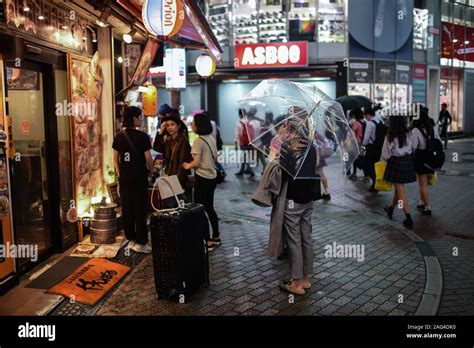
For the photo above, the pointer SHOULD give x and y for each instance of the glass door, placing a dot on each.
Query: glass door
(29, 169)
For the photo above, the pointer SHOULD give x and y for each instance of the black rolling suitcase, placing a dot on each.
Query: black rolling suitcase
(180, 260)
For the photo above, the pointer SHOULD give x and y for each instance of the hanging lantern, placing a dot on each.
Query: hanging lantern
(205, 65)
(150, 100)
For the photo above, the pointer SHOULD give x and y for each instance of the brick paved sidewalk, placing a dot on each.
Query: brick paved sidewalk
(247, 284)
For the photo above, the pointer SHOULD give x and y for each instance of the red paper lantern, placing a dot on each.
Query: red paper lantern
(150, 101)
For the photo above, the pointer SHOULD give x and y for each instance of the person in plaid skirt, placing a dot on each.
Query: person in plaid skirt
(397, 151)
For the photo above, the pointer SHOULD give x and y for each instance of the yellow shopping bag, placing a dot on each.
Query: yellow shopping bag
(431, 179)
(380, 183)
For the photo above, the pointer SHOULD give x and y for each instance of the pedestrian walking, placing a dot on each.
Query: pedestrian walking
(204, 152)
(374, 136)
(133, 163)
(422, 132)
(173, 144)
(257, 144)
(325, 149)
(243, 136)
(444, 121)
(358, 127)
(400, 170)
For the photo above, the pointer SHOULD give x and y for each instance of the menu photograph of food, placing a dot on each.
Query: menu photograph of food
(86, 89)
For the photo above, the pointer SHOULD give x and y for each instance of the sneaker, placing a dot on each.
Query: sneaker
(426, 212)
(141, 248)
(291, 288)
(326, 196)
(239, 174)
(130, 245)
(408, 222)
(353, 177)
(372, 190)
(251, 175)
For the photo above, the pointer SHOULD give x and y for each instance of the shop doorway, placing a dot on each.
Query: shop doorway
(34, 170)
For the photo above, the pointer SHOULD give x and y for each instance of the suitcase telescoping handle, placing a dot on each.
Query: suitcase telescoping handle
(171, 188)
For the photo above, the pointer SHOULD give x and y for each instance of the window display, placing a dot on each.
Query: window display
(218, 17)
(331, 21)
(420, 29)
(359, 89)
(245, 22)
(383, 94)
(302, 21)
(449, 94)
(272, 22)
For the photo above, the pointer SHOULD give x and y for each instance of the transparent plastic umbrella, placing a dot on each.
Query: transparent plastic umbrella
(307, 120)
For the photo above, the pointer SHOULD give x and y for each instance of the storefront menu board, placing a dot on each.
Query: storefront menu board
(403, 74)
(361, 71)
(384, 72)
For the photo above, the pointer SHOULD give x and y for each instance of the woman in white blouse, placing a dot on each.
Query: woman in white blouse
(397, 151)
(422, 130)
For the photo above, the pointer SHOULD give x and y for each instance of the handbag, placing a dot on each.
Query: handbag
(170, 192)
(380, 183)
(220, 178)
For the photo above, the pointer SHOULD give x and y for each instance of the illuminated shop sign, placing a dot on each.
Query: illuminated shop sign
(271, 55)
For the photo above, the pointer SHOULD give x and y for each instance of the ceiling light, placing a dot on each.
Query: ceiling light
(128, 38)
(467, 42)
(64, 27)
(455, 40)
(26, 8)
(40, 17)
(120, 60)
(102, 20)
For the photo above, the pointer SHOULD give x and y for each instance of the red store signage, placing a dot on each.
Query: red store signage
(271, 55)
(419, 71)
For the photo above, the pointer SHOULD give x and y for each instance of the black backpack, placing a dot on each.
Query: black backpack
(434, 154)
(380, 133)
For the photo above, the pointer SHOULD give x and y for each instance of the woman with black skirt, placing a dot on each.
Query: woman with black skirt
(400, 170)
(422, 130)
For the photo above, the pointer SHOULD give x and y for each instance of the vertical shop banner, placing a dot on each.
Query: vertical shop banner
(419, 83)
(457, 42)
(381, 29)
(85, 95)
(146, 59)
(132, 56)
(175, 65)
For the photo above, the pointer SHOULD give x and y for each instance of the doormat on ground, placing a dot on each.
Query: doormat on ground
(56, 272)
(90, 282)
(88, 249)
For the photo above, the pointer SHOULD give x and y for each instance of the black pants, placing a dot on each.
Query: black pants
(245, 166)
(371, 157)
(204, 194)
(133, 197)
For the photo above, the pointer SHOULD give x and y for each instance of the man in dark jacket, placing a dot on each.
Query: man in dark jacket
(445, 120)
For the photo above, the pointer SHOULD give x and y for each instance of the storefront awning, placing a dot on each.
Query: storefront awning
(195, 31)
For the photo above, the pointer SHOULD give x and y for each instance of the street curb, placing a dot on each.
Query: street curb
(431, 297)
